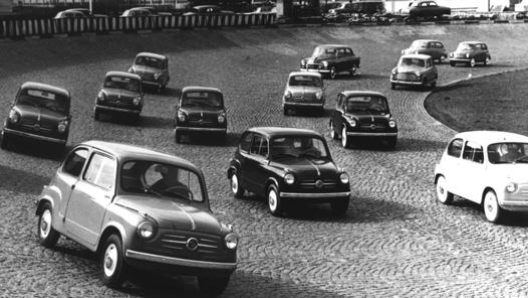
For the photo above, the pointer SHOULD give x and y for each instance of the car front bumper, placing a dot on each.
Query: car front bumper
(319, 70)
(9, 131)
(303, 104)
(371, 134)
(316, 196)
(405, 82)
(115, 109)
(191, 129)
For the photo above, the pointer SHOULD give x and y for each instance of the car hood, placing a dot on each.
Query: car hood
(119, 93)
(145, 69)
(514, 172)
(39, 113)
(307, 167)
(172, 214)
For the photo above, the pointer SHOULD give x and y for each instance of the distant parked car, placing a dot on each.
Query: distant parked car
(121, 93)
(427, 9)
(342, 8)
(470, 53)
(362, 114)
(137, 208)
(39, 112)
(433, 48)
(86, 12)
(304, 90)
(207, 9)
(200, 110)
(331, 60)
(414, 70)
(288, 165)
(69, 14)
(488, 168)
(152, 68)
(137, 12)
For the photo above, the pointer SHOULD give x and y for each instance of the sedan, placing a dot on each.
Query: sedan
(433, 48)
(427, 9)
(331, 60)
(152, 68)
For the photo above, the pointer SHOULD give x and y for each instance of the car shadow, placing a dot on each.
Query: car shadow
(363, 77)
(418, 145)
(171, 92)
(510, 219)
(231, 140)
(307, 112)
(16, 180)
(155, 122)
(37, 149)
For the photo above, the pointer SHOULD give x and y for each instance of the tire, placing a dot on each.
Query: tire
(97, 115)
(274, 201)
(391, 142)
(442, 194)
(333, 134)
(212, 286)
(333, 73)
(393, 86)
(113, 267)
(5, 141)
(487, 61)
(47, 236)
(442, 60)
(353, 70)
(492, 210)
(432, 84)
(452, 63)
(177, 137)
(345, 140)
(286, 111)
(472, 62)
(340, 207)
(236, 188)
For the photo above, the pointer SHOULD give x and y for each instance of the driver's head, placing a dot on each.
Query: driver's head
(503, 149)
(168, 172)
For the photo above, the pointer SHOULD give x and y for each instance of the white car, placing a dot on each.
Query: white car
(488, 168)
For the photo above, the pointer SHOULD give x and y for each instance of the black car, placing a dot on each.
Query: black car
(39, 112)
(288, 165)
(331, 60)
(362, 114)
(200, 110)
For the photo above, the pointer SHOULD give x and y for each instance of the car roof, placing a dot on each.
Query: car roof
(484, 137)
(270, 131)
(200, 88)
(362, 92)
(152, 55)
(416, 56)
(425, 40)
(304, 73)
(139, 8)
(325, 46)
(123, 74)
(205, 6)
(472, 42)
(45, 87)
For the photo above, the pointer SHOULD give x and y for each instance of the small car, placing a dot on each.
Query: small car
(69, 14)
(485, 167)
(288, 165)
(137, 208)
(470, 53)
(427, 9)
(152, 68)
(331, 59)
(362, 114)
(208, 9)
(137, 12)
(414, 70)
(343, 8)
(200, 110)
(86, 12)
(122, 92)
(433, 48)
(304, 90)
(39, 112)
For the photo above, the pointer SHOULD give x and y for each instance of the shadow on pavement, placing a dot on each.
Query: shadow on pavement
(21, 181)
(419, 145)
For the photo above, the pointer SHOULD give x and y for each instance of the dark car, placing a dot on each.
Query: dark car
(414, 70)
(200, 110)
(331, 60)
(39, 112)
(122, 92)
(470, 53)
(207, 9)
(137, 208)
(152, 68)
(427, 9)
(288, 165)
(431, 47)
(362, 114)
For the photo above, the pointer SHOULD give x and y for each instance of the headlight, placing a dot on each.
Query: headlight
(137, 101)
(352, 123)
(451, 55)
(417, 73)
(101, 96)
(231, 241)
(392, 123)
(287, 94)
(14, 116)
(181, 116)
(221, 118)
(319, 95)
(131, 70)
(325, 64)
(344, 178)
(511, 187)
(146, 230)
(467, 55)
(157, 75)
(63, 126)
(403, 52)
(289, 178)
(394, 71)
(303, 62)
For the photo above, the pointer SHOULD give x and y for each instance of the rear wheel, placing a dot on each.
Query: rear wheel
(443, 59)
(113, 267)
(47, 236)
(236, 188)
(472, 62)
(212, 286)
(333, 133)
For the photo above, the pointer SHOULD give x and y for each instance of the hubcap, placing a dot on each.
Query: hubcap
(491, 208)
(472, 62)
(272, 200)
(110, 260)
(441, 190)
(234, 183)
(45, 223)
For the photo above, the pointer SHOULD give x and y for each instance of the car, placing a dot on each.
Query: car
(288, 166)
(343, 8)
(152, 68)
(362, 114)
(87, 13)
(39, 112)
(200, 110)
(331, 59)
(137, 12)
(485, 167)
(470, 53)
(304, 90)
(414, 70)
(69, 14)
(431, 47)
(122, 92)
(427, 9)
(208, 9)
(137, 208)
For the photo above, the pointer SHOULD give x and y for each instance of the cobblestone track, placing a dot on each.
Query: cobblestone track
(395, 240)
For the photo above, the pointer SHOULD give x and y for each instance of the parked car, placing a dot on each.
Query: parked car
(414, 70)
(122, 92)
(362, 114)
(470, 53)
(86, 12)
(331, 60)
(152, 68)
(137, 12)
(207, 9)
(343, 8)
(288, 165)
(200, 110)
(433, 48)
(137, 208)
(69, 14)
(39, 112)
(427, 9)
(304, 90)
(485, 167)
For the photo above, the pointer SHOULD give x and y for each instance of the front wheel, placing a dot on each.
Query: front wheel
(391, 142)
(443, 195)
(177, 137)
(472, 62)
(97, 115)
(113, 267)
(333, 72)
(487, 61)
(393, 86)
(333, 133)
(212, 286)
(492, 210)
(452, 63)
(274, 201)
(4, 142)
(353, 70)
(47, 236)
(236, 188)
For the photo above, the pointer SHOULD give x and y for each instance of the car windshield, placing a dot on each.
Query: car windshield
(323, 53)
(412, 62)
(305, 80)
(161, 180)
(202, 99)
(502, 153)
(464, 47)
(124, 83)
(419, 44)
(298, 147)
(149, 62)
(366, 103)
(43, 99)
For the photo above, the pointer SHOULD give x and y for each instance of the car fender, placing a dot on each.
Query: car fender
(233, 167)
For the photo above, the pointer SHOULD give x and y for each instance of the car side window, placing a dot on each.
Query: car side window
(473, 152)
(75, 162)
(455, 148)
(101, 171)
(245, 142)
(349, 52)
(259, 146)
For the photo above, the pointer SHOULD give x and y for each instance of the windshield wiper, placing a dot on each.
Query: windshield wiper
(524, 157)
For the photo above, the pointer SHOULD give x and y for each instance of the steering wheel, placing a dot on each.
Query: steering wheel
(179, 190)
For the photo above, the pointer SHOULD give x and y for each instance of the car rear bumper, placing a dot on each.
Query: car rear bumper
(8, 131)
(115, 109)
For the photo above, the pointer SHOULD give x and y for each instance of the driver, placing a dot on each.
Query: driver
(506, 154)
(169, 180)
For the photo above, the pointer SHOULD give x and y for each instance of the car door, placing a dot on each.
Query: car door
(340, 61)
(241, 155)
(256, 163)
(90, 197)
(450, 165)
(472, 166)
(430, 69)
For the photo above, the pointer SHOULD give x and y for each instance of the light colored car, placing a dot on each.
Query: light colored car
(304, 90)
(470, 53)
(69, 14)
(137, 12)
(414, 70)
(485, 167)
(137, 208)
(431, 47)
(152, 68)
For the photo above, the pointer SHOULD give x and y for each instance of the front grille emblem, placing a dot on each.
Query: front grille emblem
(36, 127)
(319, 184)
(373, 126)
(192, 243)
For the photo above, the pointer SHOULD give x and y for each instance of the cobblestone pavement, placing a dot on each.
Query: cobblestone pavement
(395, 241)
